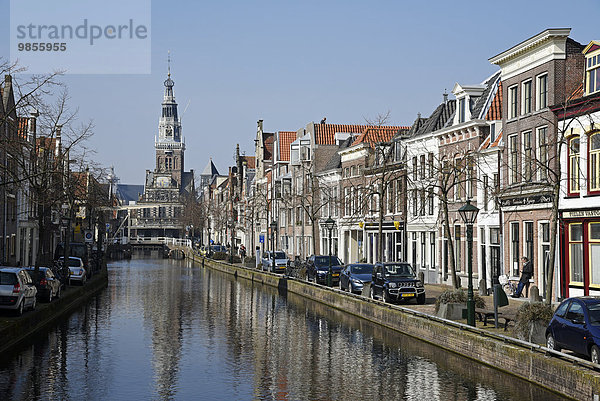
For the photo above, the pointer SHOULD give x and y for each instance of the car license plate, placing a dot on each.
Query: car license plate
(409, 294)
(336, 274)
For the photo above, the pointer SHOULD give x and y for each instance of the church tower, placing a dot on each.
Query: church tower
(169, 146)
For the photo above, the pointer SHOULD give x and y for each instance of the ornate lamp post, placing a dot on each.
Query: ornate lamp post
(329, 224)
(273, 229)
(468, 213)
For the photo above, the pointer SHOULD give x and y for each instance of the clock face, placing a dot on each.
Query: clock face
(169, 131)
(162, 182)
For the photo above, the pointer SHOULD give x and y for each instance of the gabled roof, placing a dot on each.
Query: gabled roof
(591, 47)
(268, 138)
(210, 169)
(325, 133)
(486, 143)
(486, 98)
(128, 192)
(438, 119)
(495, 110)
(284, 141)
(373, 135)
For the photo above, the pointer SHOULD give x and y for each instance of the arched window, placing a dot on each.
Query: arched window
(574, 165)
(594, 161)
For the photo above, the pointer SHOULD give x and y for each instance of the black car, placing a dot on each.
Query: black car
(396, 281)
(354, 276)
(47, 284)
(317, 268)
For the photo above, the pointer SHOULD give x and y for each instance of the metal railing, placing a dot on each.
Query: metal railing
(160, 240)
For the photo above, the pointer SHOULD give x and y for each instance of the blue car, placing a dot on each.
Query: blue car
(576, 326)
(354, 276)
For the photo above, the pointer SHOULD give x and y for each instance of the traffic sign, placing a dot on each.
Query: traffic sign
(261, 238)
(89, 236)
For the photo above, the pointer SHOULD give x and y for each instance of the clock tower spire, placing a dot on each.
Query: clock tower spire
(169, 146)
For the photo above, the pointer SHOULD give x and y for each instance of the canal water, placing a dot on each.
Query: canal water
(166, 330)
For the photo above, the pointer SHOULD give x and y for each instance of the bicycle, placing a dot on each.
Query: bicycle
(507, 285)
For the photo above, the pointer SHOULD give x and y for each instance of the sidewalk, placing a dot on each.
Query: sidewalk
(433, 291)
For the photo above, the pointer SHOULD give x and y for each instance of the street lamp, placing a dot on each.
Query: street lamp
(273, 229)
(468, 213)
(329, 224)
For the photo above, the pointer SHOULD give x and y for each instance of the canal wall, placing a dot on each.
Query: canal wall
(16, 330)
(571, 377)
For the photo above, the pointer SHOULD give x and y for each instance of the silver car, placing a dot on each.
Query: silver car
(76, 269)
(281, 261)
(17, 290)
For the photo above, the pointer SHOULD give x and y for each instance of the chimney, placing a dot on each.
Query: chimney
(445, 96)
(418, 116)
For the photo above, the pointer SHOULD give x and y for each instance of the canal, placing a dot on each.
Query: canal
(166, 330)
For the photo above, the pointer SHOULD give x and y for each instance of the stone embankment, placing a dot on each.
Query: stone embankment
(564, 374)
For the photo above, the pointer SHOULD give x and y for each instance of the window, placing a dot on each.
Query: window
(513, 161)
(432, 250)
(496, 189)
(594, 161)
(527, 157)
(542, 91)
(457, 247)
(514, 240)
(430, 201)
(576, 252)
(430, 162)
(471, 179)
(414, 166)
(485, 192)
(492, 132)
(573, 171)
(422, 202)
(423, 236)
(526, 94)
(593, 74)
(347, 201)
(399, 195)
(512, 102)
(460, 184)
(594, 236)
(462, 110)
(352, 171)
(529, 240)
(391, 197)
(414, 202)
(422, 172)
(542, 138)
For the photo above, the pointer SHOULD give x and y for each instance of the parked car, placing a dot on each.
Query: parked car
(317, 268)
(76, 270)
(281, 261)
(396, 281)
(17, 290)
(47, 284)
(78, 250)
(353, 277)
(576, 326)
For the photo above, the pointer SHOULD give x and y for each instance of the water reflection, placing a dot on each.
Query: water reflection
(164, 330)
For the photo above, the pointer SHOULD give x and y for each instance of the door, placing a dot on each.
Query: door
(575, 329)
(495, 263)
(546, 263)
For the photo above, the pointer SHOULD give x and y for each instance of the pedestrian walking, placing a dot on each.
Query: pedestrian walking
(526, 274)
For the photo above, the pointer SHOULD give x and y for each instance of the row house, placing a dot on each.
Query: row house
(536, 73)
(579, 206)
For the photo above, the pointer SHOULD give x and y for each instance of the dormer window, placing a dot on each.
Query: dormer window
(592, 67)
(462, 112)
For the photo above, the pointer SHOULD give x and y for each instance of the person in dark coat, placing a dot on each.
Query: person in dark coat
(526, 274)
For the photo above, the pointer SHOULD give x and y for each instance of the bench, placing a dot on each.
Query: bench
(485, 314)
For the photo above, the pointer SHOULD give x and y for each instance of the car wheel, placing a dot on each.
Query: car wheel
(33, 303)
(421, 299)
(595, 354)
(372, 293)
(551, 344)
(19, 310)
(386, 297)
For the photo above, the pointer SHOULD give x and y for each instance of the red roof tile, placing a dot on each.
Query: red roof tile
(325, 133)
(495, 111)
(22, 127)
(285, 140)
(377, 134)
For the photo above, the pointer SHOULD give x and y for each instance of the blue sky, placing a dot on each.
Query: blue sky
(290, 63)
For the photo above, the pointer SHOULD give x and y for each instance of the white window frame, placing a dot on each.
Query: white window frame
(524, 104)
(513, 97)
(542, 173)
(538, 93)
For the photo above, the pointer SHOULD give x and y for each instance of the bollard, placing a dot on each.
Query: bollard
(203, 262)
(482, 288)
(534, 294)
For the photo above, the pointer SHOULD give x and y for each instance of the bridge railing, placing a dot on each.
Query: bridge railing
(160, 240)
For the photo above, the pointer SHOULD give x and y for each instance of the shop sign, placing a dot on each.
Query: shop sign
(581, 214)
(526, 200)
